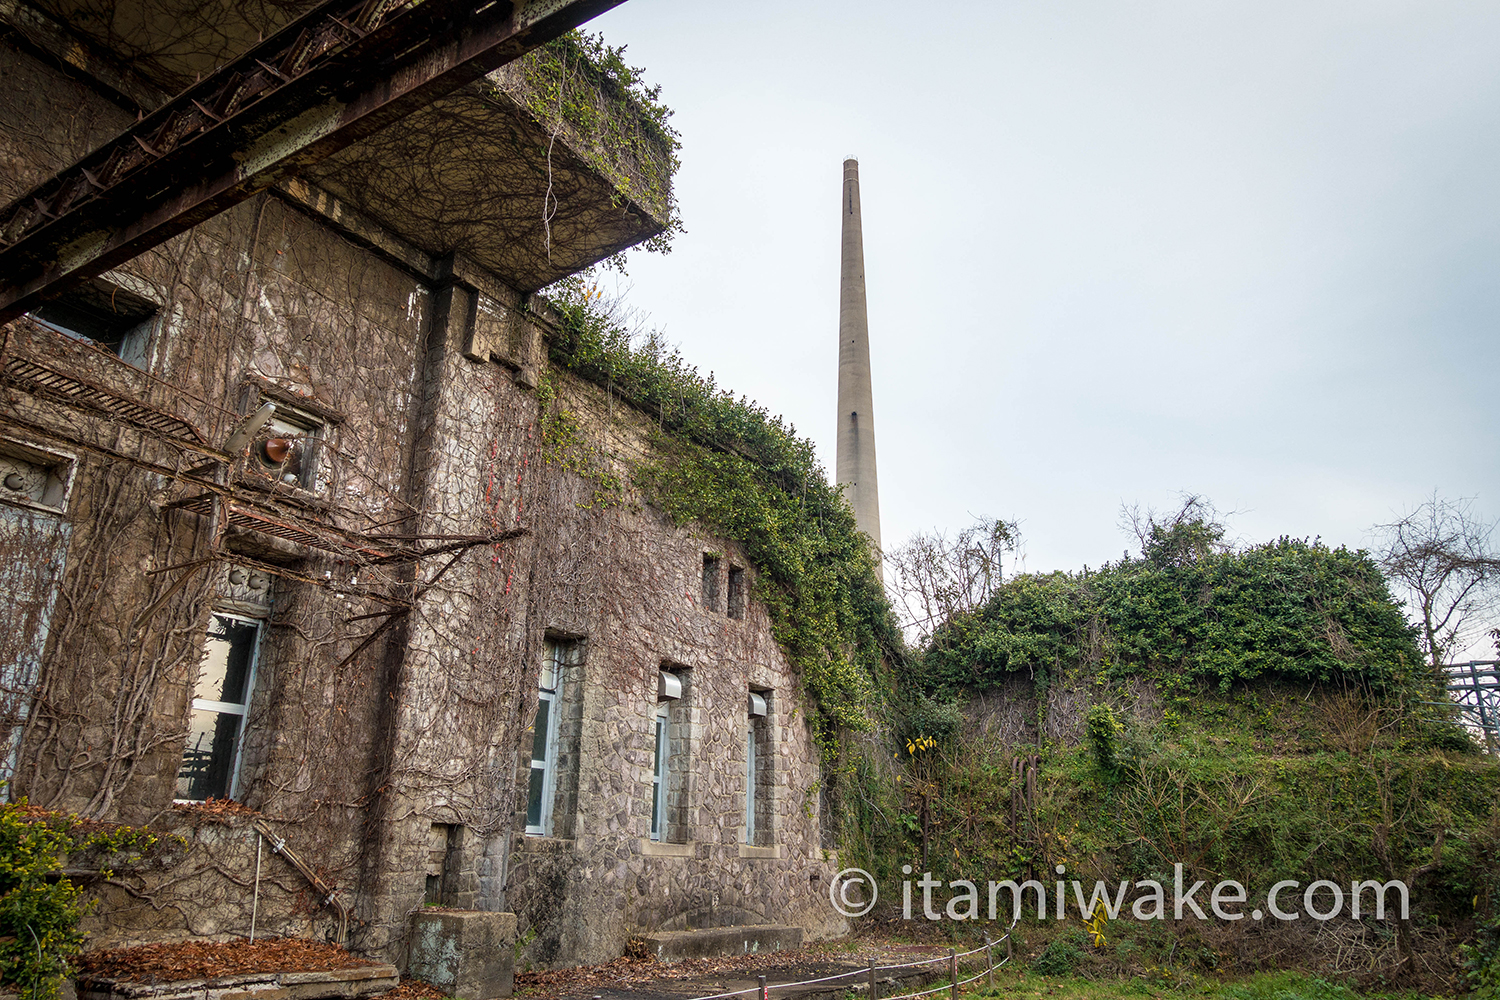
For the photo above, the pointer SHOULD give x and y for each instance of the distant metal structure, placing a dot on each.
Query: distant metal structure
(1475, 688)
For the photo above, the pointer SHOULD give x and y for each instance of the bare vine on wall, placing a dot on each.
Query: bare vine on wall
(378, 671)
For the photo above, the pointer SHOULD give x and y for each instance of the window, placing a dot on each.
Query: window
(541, 789)
(758, 770)
(710, 582)
(552, 793)
(444, 845)
(34, 487)
(669, 770)
(286, 449)
(34, 478)
(103, 313)
(659, 775)
(210, 759)
(736, 592)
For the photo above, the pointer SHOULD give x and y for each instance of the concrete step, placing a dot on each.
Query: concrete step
(716, 942)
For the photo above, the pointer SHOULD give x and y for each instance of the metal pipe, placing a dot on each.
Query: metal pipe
(255, 899)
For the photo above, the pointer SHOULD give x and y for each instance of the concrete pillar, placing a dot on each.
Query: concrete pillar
(855, 459)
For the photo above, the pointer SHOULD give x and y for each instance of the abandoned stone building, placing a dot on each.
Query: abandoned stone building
(299, 512)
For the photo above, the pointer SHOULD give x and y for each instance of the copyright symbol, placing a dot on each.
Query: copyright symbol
(838, 892)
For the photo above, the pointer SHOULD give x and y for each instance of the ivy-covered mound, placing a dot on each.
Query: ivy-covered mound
(1188, 609)
(1256, 715)
(730, 465)
(39, 907)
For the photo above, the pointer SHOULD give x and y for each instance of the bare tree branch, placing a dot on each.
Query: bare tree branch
(1442, 555)
(931, 579)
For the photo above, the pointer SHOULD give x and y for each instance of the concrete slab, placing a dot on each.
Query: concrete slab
(468, 954)
(343, 983)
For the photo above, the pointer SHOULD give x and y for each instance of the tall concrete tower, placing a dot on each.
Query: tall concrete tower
(855, 461)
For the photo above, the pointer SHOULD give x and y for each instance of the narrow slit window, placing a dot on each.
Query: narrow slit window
(437, 858)
(670, 757)
(736, 592)
(539, 792)
(210, 760)
(751, 771)
(659, 775)
(710, 583)
(757, 828)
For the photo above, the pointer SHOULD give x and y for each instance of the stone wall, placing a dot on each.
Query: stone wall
(388, 727)
(209, 878)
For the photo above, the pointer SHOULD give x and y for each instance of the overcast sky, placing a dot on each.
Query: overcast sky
(1114, 251)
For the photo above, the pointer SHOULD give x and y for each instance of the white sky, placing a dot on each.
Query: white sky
(1114, 251)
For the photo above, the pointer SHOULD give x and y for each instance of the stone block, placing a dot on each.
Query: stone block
(360, 981)
(466, 953)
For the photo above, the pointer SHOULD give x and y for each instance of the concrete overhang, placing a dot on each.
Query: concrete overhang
(490, 172)
(539, 169)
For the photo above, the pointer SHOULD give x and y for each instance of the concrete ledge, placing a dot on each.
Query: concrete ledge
(353, 982)
(715, 942)
(751, 851)
(464, 953)
(662, 849)
(532, 844)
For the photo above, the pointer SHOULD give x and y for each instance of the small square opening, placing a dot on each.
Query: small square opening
(101, 313)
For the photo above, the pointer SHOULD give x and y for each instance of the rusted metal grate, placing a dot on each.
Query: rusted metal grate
(255, 520)
(71, 390)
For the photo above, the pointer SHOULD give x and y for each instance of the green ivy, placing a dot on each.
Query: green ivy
(40, 908)
(1481, 960)
(579, 80)
(1290, 609)
(563, 444)
(726, 463)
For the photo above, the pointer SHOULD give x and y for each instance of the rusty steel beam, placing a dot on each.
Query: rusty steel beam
(342, 72)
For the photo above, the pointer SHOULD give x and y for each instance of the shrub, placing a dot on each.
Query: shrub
(1481, 960)
(40, 908)
(1060, 957)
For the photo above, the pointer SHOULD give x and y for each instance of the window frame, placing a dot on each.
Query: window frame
(126, 318)
(661, 771)
(758, 831)
(242, 709)
(554, 658)
(291, 422)
(751, 777)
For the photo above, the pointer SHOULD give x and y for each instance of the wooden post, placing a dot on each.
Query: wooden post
(989, 961)
(874, 989)
(953, 971)
(763, 994)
